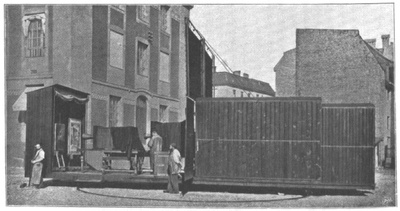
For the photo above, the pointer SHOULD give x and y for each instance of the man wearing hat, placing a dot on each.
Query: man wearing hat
(174, 166)
(37, 167)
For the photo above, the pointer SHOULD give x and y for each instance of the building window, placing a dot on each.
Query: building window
(163, 113)
(144, 14)
(249, 94)
(164, 67)
(258, 95)
(119, 6)
(234, 93)
(388, 96)
(114, 110)
(241, 94)
(142, 59)
(165, 20)
(117, 18)
(116, 49)
(35, 41)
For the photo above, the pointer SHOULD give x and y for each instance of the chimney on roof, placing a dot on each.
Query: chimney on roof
(245, 75)
(237, 72)
(371, 42)
(385, 41)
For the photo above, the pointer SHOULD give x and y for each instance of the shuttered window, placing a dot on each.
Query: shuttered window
(165, 67)
(143, 58)
(144, 14)
(116, 49)
(35, 40)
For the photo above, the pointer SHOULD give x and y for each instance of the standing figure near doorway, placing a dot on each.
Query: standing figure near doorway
(155, 145)
(36, 179)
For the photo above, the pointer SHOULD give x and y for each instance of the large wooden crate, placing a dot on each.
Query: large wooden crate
(260, 138)
(284, 142)
(348, 136)
(161, 163)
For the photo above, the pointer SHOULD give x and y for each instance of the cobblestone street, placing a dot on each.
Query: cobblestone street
(57, 194)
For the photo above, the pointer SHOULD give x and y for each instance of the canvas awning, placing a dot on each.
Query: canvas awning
(20, 104)
(71, 97)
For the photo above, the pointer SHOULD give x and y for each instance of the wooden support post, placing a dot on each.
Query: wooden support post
(203, 67)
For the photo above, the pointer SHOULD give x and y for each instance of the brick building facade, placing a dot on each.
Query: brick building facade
(131, 59)
(285, 74)
(234, 85)
(340, 67)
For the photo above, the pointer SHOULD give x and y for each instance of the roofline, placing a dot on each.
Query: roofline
(268, 91)
(379, 53)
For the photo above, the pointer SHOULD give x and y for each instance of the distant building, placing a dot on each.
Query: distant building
(234, 85)
(285, 81)
(341, 67)
(131, 59)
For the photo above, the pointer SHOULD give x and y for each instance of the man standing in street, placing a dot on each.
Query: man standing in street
(174, 166)
(37, 167)
(155, 145)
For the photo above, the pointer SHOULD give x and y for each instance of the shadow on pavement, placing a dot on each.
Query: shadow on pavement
(183, 200)
(212, 188)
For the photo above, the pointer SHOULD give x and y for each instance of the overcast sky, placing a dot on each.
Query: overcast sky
(252, 38)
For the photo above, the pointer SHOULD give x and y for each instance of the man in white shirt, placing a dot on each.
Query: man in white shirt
(37, 167)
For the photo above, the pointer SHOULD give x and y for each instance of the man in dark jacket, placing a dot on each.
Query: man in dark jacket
(174, 166)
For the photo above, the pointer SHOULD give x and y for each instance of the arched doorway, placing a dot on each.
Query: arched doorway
(141, 116)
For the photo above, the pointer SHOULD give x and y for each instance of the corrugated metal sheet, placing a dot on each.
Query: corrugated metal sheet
(272, 138)
(348, 144)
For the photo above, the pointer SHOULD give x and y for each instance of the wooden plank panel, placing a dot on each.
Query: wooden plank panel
(210, 124)
(303, 128)
(255, 121)
(279, 119)
(236, 119)
(307, 121)
(229, 121)
(240, 122)
(247, 116)
(273, 121)
(258, 123)
(207, 114)
(290, 120)
(268, 121)
(295, 121)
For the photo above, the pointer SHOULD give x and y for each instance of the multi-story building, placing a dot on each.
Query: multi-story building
(131, 59)
(285, 74)
(340, 67)
(234, 85)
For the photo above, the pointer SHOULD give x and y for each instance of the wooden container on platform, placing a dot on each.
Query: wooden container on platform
(161, 163)
(284, 142)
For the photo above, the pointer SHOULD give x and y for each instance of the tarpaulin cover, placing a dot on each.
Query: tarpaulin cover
(102, 138)
(71, 97)
(171, 132)
(124, 139)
